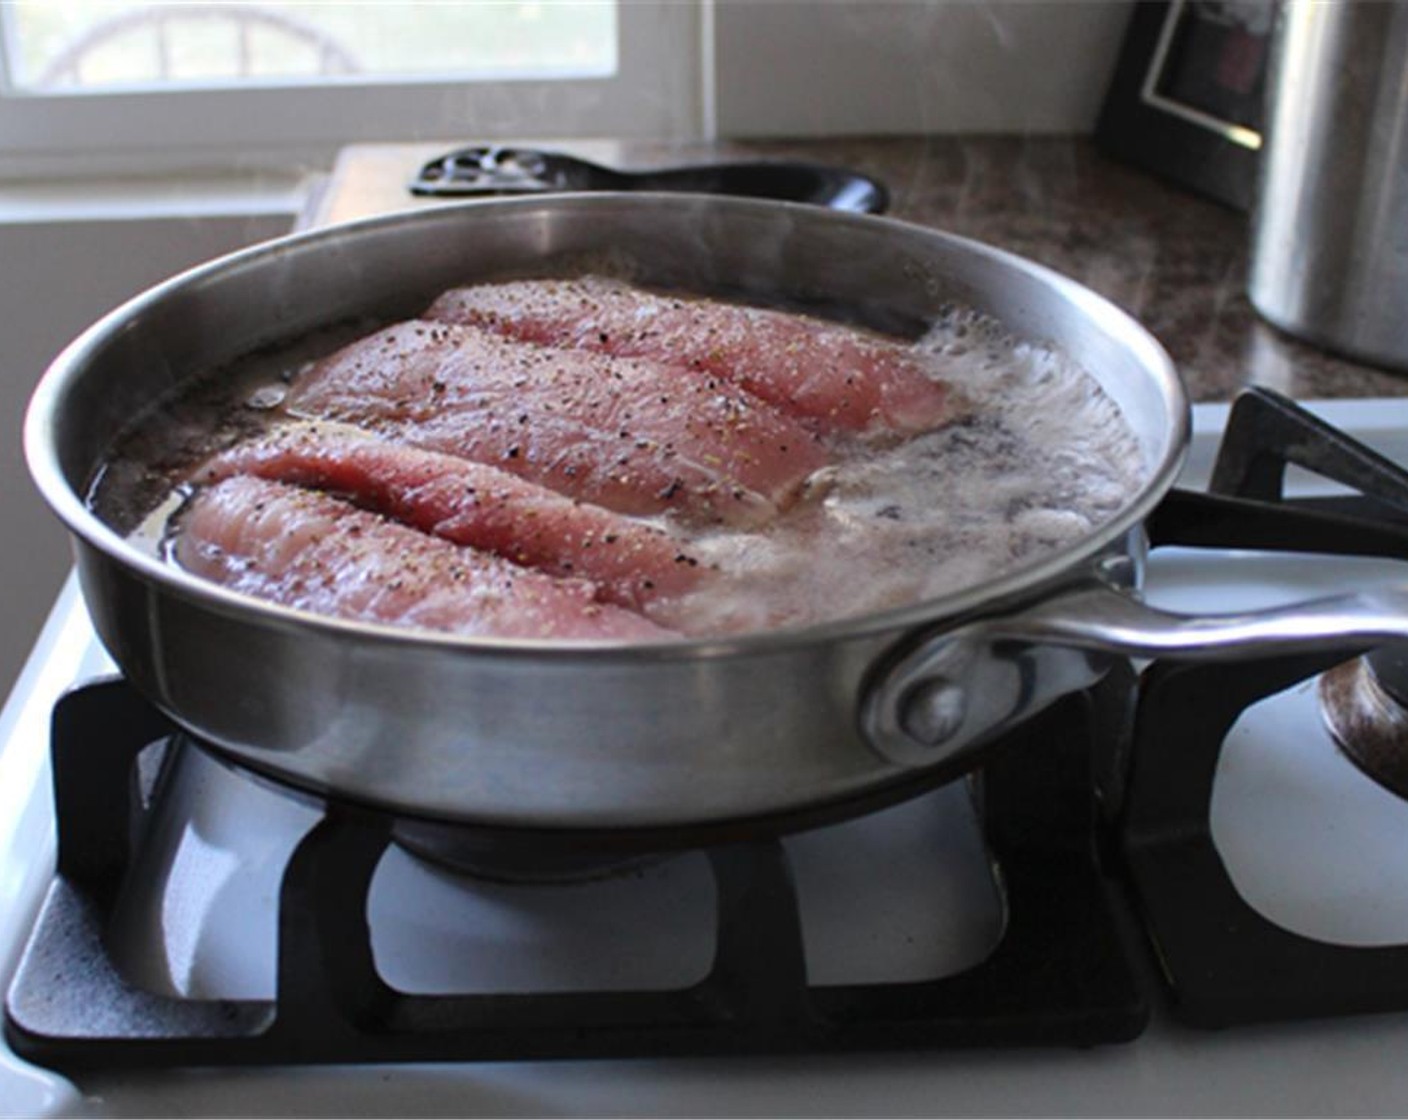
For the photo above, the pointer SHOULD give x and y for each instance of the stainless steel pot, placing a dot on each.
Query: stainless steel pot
(538, 736)
(1330, 233)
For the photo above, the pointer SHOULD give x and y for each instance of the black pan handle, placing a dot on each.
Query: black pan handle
(478, 172)
(834, 188)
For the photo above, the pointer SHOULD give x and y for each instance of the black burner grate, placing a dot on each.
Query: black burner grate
(1079, 788)
(1064, 971)
(1224, 962)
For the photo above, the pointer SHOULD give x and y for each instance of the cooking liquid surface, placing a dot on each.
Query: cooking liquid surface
(1036, 458)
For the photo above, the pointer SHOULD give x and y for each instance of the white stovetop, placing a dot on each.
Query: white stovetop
(1342, 1067)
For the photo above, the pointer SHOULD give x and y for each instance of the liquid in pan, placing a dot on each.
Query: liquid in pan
(585, 459)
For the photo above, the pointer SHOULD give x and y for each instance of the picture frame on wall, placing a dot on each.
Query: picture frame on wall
(1187, 99)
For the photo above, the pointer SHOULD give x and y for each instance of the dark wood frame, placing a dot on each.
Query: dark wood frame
(1180, 142)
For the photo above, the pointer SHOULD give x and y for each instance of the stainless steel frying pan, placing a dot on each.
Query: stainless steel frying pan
(539, 736)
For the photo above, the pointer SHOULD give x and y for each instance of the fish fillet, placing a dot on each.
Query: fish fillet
(633, 435)
(634, 565)
(837, 377)
(309, 550)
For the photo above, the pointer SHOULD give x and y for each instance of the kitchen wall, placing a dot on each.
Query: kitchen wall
(58, 276)
(72, 251)
(817, 67)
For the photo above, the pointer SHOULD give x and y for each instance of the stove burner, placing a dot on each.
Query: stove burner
(1368, 720)
(1365, 703)
(1224, 962)
(453, 850)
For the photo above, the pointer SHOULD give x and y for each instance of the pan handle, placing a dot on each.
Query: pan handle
(946, 694)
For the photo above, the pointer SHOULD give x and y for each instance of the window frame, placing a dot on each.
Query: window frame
(656, 92)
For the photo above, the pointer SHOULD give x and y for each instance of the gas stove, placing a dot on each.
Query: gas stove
(1053, 935)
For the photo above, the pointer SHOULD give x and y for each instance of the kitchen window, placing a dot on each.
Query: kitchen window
(125, 87)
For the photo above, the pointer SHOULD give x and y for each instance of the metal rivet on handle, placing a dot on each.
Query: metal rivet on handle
(932, 711)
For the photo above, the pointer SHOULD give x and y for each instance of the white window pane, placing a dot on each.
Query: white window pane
(653, 87)
(92, 45)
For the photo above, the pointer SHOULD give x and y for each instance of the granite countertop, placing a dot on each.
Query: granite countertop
(1172, 259)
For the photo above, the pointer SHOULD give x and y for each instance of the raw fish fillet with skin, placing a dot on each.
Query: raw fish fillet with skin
(468, 503)
(318, 553)
(632, 435)
(837, 377)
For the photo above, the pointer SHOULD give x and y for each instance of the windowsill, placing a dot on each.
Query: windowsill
(126, 199)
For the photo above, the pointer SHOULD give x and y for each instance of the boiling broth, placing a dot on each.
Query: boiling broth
(1038, 458)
